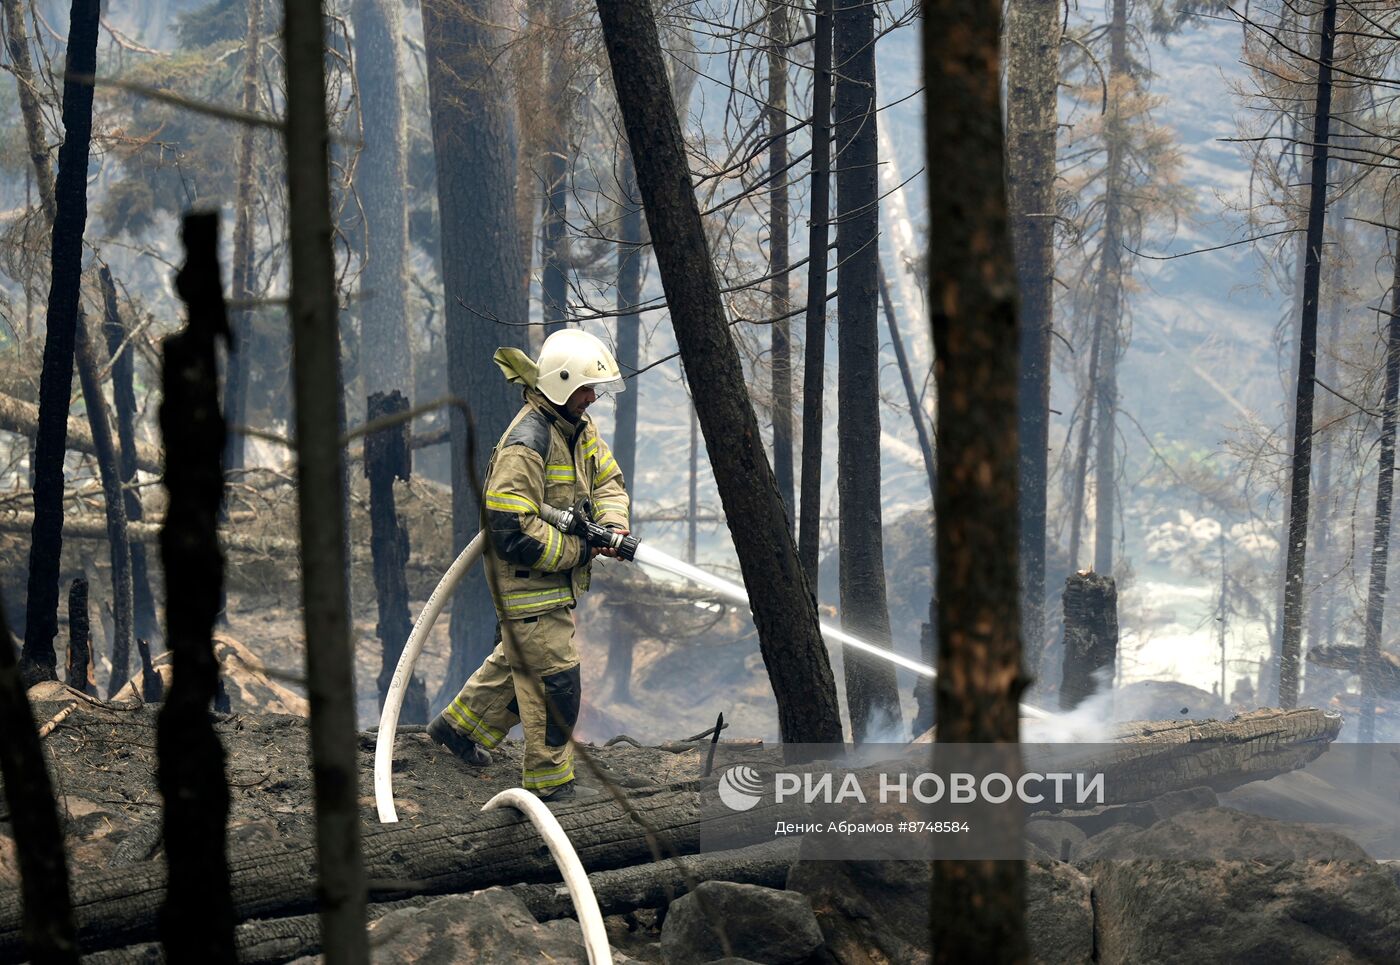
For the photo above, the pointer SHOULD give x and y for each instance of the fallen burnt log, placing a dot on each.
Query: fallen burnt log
(267, 942)
(22, 417)
(119, 908)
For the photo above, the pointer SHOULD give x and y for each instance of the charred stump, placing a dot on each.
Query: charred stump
(387, 457)
(78, 672)
(152, 687)
(1091, 635)
(197, 920)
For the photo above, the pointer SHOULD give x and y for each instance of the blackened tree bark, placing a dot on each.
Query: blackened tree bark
(380, 184)
(237, 372)
(197, 920)
(1297, 526)
(37, 660)
(114, 506)
(977, 907)
(1032, 76)
(778, 249)
(43, 870)
(387, 457)
(872, 694)
(474, 141)
(814, 346)
(321, 479)
(783, 608)
(556, 115)
(1091, 635)
(79, 668)
(1380, 536)
(143, 604)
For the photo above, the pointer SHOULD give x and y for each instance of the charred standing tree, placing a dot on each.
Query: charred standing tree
(783, 607)
(37, 661)
(379, 183)
(923, 686)
(814, 347)
(143, 603)
(49, 935)
(778, 304)
(977, 907)
(113, 505)
(387, 457)
(321, 477)
(1297, 525)
(1380, 537)
(1108, 296)
(237, 374)
(872, 694)
(474, 142)
(1032, 77)
(79, 670)
(554, 255)
(197, 921)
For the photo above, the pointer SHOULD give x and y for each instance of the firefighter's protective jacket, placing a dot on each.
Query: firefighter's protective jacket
(541, 458)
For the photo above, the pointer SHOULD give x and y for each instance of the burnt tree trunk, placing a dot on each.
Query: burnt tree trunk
(778, 250)
(1380, 536)
(783, 607)
(554, 283)
(872, 693)
(1032, 76)
(197, 922)
(143, 603)
(923, 686)
(977, 907)
(237, 373)
(1091, 636)
(1108, 296)
(37, 661)
(380, 184)
(1297, 524)
(474, 143)
(387, 458)
(47, 913)
(114, 506)
(78, 673)
(321, 484)
(814, 346)
(152, 686)
(630, 254)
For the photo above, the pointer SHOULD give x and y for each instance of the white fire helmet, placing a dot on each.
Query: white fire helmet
(572, 358)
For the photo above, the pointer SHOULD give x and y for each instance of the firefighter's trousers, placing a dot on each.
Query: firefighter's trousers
(537, 686)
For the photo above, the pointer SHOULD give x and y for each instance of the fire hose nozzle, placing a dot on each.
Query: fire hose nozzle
(575, 522)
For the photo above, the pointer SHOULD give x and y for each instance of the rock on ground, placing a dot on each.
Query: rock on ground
(762, 925)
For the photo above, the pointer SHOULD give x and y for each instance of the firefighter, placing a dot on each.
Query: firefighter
(551, 454)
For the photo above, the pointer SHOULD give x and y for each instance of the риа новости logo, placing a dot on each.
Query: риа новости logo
(740, 787)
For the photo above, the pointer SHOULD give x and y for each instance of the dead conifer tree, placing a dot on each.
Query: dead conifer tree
(197, 920)
(321, 491)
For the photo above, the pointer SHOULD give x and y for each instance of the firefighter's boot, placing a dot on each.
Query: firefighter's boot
(442, 731)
